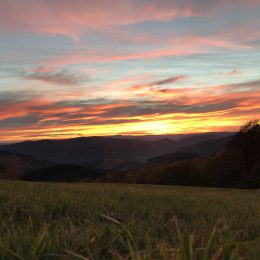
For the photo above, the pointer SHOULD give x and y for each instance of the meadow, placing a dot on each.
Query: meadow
(117, 221)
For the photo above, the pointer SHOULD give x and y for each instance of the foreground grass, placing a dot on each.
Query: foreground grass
(109, 221)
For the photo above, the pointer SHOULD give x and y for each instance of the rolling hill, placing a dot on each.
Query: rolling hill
(172, 158)
(115, 151)
(13, 166)
(197, 150)
(86, 149)
(208, 147)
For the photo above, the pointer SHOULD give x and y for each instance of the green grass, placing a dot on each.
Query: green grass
(110, 221)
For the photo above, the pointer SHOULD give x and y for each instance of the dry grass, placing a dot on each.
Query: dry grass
(109, 221)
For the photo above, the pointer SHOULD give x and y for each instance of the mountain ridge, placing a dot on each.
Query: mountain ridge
(83, 150)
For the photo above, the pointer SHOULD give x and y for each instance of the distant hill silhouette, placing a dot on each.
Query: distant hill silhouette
(114, 159)
(84, 150)
(198, 138)
(201, 146)
(13, 165)
(171, 158)
(63, 173)
(208, 147)
(115, 165)
(87, 149)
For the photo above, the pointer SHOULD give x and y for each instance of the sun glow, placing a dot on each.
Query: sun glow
(153, 127)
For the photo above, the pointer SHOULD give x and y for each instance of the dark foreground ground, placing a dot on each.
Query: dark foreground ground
(109, 221)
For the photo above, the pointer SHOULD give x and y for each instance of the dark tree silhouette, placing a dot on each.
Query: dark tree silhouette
(246, 146)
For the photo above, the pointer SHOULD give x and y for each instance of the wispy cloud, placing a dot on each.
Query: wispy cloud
(167, 81)
(234, 73)
(159, 82)
(68, 17)
(52, 76)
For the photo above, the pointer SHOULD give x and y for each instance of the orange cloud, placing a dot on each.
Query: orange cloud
(177, 110)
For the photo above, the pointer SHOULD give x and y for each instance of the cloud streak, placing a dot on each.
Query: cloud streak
(162, 82)
(47, 75)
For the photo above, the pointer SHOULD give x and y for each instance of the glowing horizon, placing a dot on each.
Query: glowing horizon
(72, 68)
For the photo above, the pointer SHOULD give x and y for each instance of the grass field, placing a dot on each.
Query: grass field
(110, 221)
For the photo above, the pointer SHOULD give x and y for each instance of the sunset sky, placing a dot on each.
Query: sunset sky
(72, 68)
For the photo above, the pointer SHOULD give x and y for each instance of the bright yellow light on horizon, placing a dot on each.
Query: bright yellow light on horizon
(154, 127)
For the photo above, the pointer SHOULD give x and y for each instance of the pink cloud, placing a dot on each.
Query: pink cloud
(234, 73)
(70, 18)
(71, 33)
(201, 95)
(78, 58)
(181, 46)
